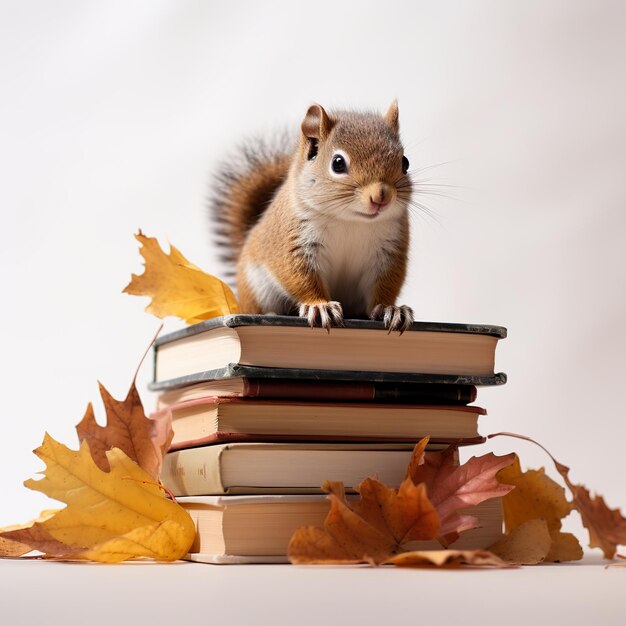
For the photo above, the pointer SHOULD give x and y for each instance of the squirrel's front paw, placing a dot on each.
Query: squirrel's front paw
(326, 314)
(394, 317)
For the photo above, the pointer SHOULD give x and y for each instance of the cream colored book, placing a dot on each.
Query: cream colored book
(262, 468)
(257, 529)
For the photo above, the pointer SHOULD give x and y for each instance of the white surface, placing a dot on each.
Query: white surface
(113, 115)
(56, 593)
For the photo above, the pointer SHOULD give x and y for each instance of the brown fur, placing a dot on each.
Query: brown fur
(267, 210)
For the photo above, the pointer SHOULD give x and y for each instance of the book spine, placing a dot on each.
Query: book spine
(194, 472)
(359, 391)
(308, 389)
(425, 394)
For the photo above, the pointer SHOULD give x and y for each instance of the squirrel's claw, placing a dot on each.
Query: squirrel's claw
(326, 314)
(394, 317)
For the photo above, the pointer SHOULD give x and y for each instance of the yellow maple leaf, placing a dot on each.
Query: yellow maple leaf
(178, 287)
(110, 516)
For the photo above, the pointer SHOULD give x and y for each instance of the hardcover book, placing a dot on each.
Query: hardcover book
(321, 390)
(207, 420)
(257, 529)
(296, 468)
(274, 346)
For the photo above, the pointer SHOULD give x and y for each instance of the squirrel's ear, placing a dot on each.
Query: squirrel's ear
(392, 116)
(316, 123)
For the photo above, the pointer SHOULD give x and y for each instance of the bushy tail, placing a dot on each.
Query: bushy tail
(243, 188)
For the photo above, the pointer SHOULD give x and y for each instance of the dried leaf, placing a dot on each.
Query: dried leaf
(10, 548)
(607, 527)
(565, 547)
(452, 487)
(370, 529)
(527, 544)
(384, 520)
(535, 496)
(418, 458)
(402, 515)
(110, 516)
(345, 538)
(446, 558)
(143, 440)
(177, 287)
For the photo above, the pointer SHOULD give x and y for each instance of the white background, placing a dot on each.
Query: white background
(113, 116)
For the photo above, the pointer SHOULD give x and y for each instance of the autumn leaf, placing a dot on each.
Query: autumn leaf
(565, 547)
(10, 548)
(368, 530)
(446, 558)
(110, 516)
(143, 440)
(607, 527)
(452, 487)
(402, 515)
(373, 527)
(177, 287)
(535, 495)
(527, 544)
(537, 498)
(345, 538)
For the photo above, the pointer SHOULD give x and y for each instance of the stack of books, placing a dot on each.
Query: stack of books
(264, 409)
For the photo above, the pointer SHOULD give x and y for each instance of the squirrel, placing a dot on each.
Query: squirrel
(320, 229)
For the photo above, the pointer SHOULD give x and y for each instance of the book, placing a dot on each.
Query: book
(426, 352)
(257, 529)
(321, 390)
(207, 420)
(296, 468)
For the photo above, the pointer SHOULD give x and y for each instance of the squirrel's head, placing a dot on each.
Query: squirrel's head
(352, 165)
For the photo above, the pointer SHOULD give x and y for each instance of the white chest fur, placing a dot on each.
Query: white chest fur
(350, 256)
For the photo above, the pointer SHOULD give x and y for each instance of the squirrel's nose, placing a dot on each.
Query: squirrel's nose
(380, 195)
(377, 195)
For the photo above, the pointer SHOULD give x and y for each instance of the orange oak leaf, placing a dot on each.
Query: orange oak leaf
(177, 287)
(418, 458)
(370, 529)
(402, 515)
(452, 487)
(345, 538)
(142, 439)
(446, 558)
(607, 527)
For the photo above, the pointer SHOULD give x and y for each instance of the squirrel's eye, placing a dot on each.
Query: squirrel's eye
(405, 165)
(338, 164)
